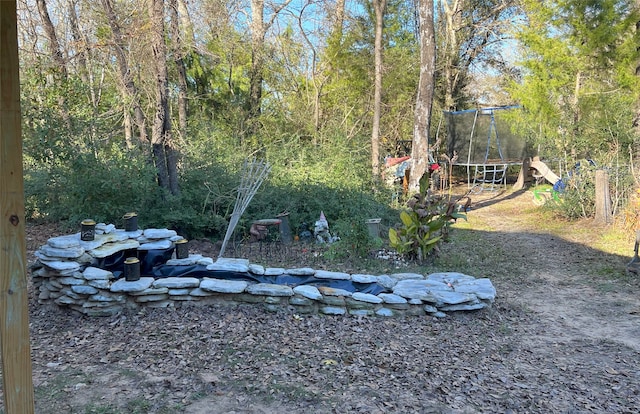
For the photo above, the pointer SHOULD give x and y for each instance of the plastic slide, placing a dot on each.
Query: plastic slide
(544, 171)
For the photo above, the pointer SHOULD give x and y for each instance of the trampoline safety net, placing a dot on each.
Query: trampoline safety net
(484, 142)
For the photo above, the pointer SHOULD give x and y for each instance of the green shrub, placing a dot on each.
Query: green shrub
(355, 240)
(102, 187)
(425, 223)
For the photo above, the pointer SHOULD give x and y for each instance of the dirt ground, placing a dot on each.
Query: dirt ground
(562, 337)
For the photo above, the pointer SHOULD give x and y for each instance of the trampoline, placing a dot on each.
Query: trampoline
(484, 143)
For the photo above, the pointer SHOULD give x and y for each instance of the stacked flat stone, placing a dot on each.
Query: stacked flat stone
(65, 275)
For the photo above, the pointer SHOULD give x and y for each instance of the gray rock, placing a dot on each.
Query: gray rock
(131, 234)
(452, 298)
(41, 273)
(105, 228)
(361, 312)
(62, 265)
(391, 298)
(223, 286)
(100, 284)
(366, 297)
(184, 298)
(205, 261)
(418, 289)
(482, 288)
(84, 290)
(53, 284)
(70, 281)
(386, 281)
(151, 291)
(450, 277)
(156, 245)
(231, 265)
(334, 300)
(108, 249)
(406, 276)
(179, 292)
(123, 285)
(44, 258)
(159, 233)
(269, 289)
(308, 291)
(200, 293)
(430, 309)
(301, 271)
(85, 259)
(273, 300)
(69, 272)
(358, 278)
(329, 291)
(66, 300)
(464, 307)
(102, 239)
(94, 273)
(299, 301)
(188, 261)
(151, 298)
(107, 297)
(66, 253)
(65, 242)
(73, 295)
(357, 304)
(256, 269)
(324, 274)
(274, 271)
(332, 310)
(386, 312)
(78, 275)
(177, 282)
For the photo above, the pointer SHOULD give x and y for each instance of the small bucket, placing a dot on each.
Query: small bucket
(87, 230)
(285, 228)
(130, 221)
(373, 226)
(182, 249)
(131, 269)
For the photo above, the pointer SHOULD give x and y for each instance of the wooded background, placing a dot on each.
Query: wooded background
(152, 105)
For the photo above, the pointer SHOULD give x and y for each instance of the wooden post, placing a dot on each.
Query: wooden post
(603, 198)
(14, 310)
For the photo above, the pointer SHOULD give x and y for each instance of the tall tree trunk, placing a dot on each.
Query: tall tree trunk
(178, 57)
(379, 7)
(128, 88)
(258, 31)
(83, 55)
(57, 57)
(186, 23)
(54, 45)
(163, 151)
(451, 70)
(636, 119)
(424, 100)
(81, 43)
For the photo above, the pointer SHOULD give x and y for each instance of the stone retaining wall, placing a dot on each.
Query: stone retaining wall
(65, 274)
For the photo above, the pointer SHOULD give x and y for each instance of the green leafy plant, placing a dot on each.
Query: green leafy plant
(425, 223)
